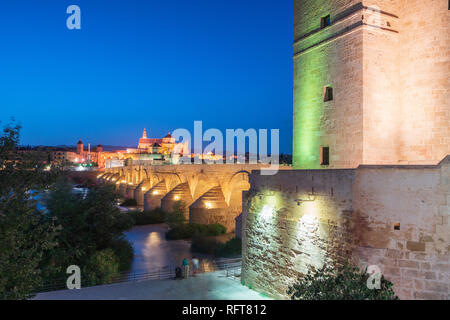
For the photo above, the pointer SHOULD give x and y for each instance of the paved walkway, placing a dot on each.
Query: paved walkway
(206, 286)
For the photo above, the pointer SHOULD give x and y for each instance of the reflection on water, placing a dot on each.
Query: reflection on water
(152, 250)
(82, 191)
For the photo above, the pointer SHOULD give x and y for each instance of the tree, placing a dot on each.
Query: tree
(39, 244)
(26, 233)
(344, 283)
(107, 223)
(75, 241)
(89, 225)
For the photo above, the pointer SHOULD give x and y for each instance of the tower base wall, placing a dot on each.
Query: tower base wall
(394, 217)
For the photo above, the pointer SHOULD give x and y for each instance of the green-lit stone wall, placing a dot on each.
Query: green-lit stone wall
(327, 57)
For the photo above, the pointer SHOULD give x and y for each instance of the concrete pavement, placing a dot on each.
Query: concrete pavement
(206, 286)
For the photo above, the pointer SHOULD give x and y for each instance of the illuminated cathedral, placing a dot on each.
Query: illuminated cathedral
(155, 145)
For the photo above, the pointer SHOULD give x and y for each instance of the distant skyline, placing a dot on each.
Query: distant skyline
(154, 64)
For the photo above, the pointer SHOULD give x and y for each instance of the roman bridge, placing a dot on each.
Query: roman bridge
(211, 193)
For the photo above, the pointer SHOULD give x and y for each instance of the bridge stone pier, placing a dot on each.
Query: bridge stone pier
(210, 193)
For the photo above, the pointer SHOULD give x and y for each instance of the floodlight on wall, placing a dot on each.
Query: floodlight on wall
(176, 198)
(268, 193)
(309, 198)
(155, 192)
(143, 188)
(208, 205)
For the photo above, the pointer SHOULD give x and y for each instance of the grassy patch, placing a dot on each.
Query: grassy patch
(209, 245)
(187, 231)
(231, 248)
(155, 216)
(129, 203)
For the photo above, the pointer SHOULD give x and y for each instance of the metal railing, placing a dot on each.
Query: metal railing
(230, 267)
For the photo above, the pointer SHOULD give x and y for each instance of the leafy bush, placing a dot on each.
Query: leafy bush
(187, 231)
(155, 216)
(344, 283)
(123, 250)
(231, 248)
(129, 203)
(177, 216)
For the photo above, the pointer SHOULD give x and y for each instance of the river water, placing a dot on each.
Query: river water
(152, 250)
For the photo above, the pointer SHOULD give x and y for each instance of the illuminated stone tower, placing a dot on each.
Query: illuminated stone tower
(371, 82)
(80, 147)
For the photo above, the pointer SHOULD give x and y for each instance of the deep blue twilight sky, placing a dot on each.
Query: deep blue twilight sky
(156, 64)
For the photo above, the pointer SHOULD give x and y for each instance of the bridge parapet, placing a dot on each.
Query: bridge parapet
(161, 185)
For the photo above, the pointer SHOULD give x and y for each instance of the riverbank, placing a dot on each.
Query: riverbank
(152, 250)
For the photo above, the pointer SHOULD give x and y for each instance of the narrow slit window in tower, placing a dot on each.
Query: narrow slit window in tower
(324, 156)
(327, 93)
(325, 21)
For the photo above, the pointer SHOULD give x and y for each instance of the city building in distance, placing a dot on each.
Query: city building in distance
(150, 150)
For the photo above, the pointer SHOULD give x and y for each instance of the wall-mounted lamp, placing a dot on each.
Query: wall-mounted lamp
(155, 192)
(208, 205)
(176, 198)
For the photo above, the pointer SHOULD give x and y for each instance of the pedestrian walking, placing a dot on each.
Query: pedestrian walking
(186, 268)
(195, 265)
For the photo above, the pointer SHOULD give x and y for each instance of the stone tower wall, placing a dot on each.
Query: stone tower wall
(388, 63)
(350, 217)
(331, 56)
(425, 76)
